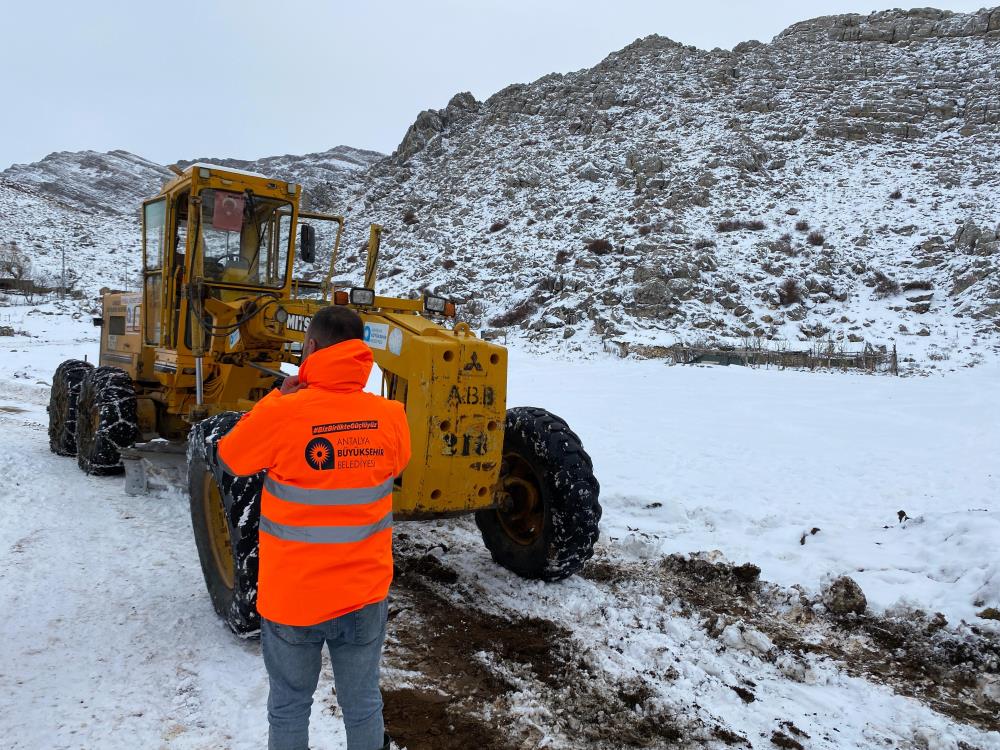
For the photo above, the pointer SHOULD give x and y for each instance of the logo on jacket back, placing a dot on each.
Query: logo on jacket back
(319, 454)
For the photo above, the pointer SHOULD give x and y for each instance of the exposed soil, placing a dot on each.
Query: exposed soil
(915, 655)
(468, 671)
(424, 720)
(476, 668)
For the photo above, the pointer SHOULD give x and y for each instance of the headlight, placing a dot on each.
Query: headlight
(281, 315)
(362, 296)
(434, 304)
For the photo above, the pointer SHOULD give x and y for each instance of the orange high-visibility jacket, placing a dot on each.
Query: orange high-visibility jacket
(331, 452)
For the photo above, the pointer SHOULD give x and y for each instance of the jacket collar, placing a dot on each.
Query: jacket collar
(341, 367)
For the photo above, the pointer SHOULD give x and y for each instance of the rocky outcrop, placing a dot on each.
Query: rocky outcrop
(844, 596)
(431, 123)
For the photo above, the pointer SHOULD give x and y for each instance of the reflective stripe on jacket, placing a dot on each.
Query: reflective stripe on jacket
(331, 452)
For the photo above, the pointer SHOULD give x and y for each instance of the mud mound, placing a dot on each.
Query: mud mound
(421, 720)
(914, 654)
(480, 671)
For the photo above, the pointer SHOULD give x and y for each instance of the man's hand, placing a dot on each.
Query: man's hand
(291, 384)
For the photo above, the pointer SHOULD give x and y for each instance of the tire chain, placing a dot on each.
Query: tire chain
(112, 391)
(575, 511)
(66, 384)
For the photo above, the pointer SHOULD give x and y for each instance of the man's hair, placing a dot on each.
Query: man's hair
(333, 325)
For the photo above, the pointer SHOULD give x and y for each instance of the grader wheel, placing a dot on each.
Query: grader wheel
(62, 405)
(225, 514)
(106, 420)
(220, 542)
(547, 520)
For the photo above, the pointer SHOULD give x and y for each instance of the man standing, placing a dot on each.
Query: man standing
(331, 452)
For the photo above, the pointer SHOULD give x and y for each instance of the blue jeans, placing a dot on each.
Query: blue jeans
(293, 654)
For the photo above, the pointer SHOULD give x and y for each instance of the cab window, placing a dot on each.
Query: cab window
(243, 240)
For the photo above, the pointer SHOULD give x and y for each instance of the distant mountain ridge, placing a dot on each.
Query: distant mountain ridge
(113, 182)
(326, 176)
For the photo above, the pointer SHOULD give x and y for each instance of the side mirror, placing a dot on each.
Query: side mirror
(307, 243)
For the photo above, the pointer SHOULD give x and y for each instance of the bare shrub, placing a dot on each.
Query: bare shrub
(496, 226)
(562, 256)
(14, 262)
(815, 238)
(600, 246)
(789, 292)
(645, 229)
(923, 286)
(529, 222)
(802, 225)
(896, 194)
(732, 225)
(517, 314)
(885, 286)
(783, 245)
(448, 264)
(410, 217)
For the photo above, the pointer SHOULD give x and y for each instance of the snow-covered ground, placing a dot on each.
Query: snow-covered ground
(747, 461)
(109, 639)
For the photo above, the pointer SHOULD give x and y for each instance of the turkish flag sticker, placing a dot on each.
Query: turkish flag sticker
(228, 214)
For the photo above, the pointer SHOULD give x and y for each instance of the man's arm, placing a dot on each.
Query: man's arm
(247, 449)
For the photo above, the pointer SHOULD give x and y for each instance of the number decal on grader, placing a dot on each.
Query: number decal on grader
(470, 444)
(471, 395)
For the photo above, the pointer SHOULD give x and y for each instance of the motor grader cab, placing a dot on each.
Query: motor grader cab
(218, 315)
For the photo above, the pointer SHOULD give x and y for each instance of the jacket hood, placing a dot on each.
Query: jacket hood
(341, 367)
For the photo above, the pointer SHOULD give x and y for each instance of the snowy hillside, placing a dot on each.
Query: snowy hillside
(842, 182)
(112, 183)
(101, 247)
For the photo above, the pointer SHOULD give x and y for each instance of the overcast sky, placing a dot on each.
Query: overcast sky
(247, 78)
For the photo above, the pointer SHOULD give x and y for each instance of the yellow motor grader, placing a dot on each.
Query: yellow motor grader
(218, 315)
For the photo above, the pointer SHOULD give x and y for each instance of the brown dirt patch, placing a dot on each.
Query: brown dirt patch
(421, 720)
(475, 664)
(915, 655)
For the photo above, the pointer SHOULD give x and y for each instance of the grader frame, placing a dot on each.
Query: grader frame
(220, 313)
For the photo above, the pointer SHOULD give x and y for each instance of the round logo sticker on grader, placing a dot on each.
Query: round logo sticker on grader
(218, 315)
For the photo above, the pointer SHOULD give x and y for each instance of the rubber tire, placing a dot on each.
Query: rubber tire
(241, 498)
(569, 493)
(63, 398)
(110, 393)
